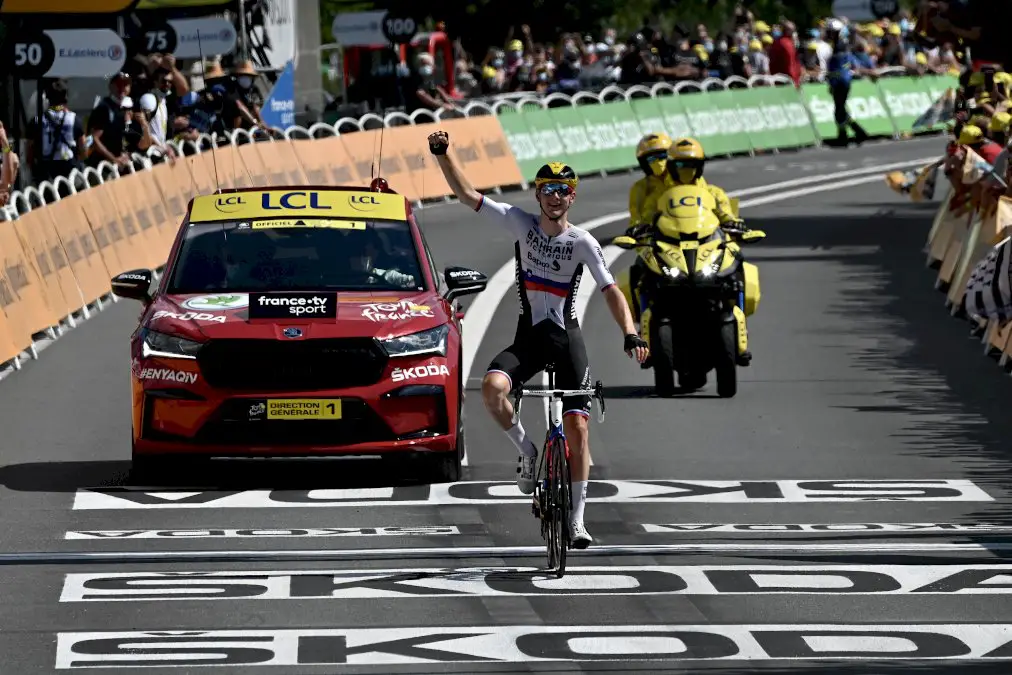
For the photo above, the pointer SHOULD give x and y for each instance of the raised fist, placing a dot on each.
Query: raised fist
(439, 142)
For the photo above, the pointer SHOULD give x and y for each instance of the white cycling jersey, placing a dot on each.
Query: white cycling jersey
(549, 269)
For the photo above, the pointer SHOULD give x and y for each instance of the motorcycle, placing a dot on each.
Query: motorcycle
(699, 290)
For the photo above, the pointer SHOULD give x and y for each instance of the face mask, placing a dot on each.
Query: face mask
(722, 46)
(426, 71)
(245, 81)
(516, 55)
(777, 34)
(403, 70)
(497, 63)
(904, 25)
(685, 175)
(609, 40)
(708, 46)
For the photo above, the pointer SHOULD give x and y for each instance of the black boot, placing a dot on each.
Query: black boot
(860, 135)
(745, 358)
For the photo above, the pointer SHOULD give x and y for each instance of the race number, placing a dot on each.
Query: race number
(399, 28)
(32, 55)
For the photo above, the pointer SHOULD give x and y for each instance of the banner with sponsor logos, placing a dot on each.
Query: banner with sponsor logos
(603, 137)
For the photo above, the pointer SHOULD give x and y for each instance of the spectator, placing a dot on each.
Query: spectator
(245, 76)
(683, 63)
(137, 135)
(638, 63)
(422, 90)
(893, 54)
(61, 135)
(8, 167)
(107, 125)
(784, 55)
(973, 138)
(758, 62)
(721, 61)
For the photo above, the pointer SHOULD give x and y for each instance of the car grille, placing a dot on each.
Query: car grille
(305, 365)
(231, 425)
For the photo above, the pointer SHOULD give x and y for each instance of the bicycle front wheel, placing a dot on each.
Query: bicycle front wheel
(559, 506)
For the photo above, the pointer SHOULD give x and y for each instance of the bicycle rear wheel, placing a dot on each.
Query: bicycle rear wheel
(559, 506)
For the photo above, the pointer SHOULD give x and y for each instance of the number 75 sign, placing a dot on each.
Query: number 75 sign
(94, 52)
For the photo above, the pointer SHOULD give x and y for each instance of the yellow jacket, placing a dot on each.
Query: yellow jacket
(641, 189)
(724, 211)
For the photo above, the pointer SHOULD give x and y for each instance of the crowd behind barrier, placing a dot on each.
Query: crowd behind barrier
(967, 232)
(61, 242)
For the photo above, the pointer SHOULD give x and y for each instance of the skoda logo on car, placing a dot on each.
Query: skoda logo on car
(292, 332)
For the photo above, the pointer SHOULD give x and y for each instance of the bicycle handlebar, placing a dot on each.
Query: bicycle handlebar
(597, 392)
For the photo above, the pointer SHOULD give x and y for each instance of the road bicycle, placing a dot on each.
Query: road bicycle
(553, 498)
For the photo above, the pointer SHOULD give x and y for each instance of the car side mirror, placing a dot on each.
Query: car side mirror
(753, 236)
(134, 285)
(461, 281)
(625, 242)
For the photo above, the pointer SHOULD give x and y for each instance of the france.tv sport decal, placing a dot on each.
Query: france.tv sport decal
(293, 305)
(298, 203)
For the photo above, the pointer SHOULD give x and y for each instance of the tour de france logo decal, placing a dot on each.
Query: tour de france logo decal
(219, 301)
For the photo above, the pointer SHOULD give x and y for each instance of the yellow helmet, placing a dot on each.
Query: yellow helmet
(686, 160)
(687, 211)
(556, 172)
(652, 152)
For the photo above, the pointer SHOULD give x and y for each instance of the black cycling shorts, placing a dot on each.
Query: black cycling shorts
(547, 342)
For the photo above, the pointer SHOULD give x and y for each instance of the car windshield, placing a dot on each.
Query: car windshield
(292, 254)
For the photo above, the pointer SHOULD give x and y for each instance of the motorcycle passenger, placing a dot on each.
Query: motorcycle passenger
(551, 254)
(685, 165)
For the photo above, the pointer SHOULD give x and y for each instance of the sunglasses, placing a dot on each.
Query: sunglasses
(561, 189)
(657, 157)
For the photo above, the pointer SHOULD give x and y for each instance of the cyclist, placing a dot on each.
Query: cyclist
(685, 164)
(550, 256)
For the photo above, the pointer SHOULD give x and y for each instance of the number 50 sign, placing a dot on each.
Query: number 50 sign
(97, 52)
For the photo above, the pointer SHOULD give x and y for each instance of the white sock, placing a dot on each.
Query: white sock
(525, 445)
(579, 499)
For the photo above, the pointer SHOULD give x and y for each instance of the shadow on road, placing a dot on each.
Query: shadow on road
(216, 474)
(959, 401)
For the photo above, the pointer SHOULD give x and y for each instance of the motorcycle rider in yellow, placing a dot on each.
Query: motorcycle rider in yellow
(684, 165)
(652, 155)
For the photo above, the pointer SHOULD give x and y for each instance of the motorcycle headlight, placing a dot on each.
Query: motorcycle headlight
(432, 341)
(168, 346)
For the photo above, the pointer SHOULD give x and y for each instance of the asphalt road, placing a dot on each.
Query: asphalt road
(845, 513)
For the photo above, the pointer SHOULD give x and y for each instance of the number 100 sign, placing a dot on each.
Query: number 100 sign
(95, 52)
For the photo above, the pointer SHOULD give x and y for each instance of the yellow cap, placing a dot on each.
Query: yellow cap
(895, 29)
(488, 72)
(762, 27)
(813, 46)
(876, 31)
(755, 46)
(1000, 122)
(767, 39)
(516, 45)
(922, 59)
(971, 134)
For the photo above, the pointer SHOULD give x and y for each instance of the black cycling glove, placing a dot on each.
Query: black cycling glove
(438, 146)
(632, 341)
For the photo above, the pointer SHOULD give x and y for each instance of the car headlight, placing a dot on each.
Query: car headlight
(432, 341)
(168, 346)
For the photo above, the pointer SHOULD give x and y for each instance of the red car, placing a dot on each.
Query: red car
(298, 322)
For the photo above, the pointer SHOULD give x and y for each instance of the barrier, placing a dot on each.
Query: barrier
(601, 136)
(62, 242)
